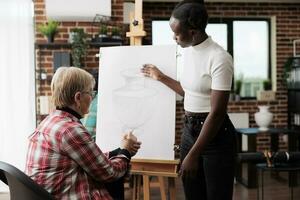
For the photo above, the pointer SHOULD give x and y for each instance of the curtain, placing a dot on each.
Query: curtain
(17, 84)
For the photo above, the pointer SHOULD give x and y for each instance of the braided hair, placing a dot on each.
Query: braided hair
(191, 14)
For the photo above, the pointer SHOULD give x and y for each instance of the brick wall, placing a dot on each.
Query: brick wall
(44, 56)
(287, 29)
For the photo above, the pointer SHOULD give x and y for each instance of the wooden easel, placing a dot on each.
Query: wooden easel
(137, 24)
(160, 168)
(146, 167)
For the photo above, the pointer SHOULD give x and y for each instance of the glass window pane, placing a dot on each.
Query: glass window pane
(218, 33)
(162, 33)
(251, 54)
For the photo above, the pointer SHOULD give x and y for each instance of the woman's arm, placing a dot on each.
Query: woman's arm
(79, 146)
(211, 126)
(153, 72)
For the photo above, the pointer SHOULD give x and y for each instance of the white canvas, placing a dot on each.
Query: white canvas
(145, 105)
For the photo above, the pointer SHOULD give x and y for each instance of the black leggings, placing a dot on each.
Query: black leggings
(214, 180)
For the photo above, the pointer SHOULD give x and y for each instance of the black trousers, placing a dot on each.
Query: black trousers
(116, 189)
(214, 180)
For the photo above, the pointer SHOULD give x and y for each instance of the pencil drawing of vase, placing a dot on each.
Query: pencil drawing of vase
(134, 102)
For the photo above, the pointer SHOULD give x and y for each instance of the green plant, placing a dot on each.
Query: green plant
(238, 86)
(49, 29)
(103, 29)
(116, 31)
(267, 84)
(287, 69)
(79, 46)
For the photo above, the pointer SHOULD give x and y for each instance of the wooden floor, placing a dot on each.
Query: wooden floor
(275, 189)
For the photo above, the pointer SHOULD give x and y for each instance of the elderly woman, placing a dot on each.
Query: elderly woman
(62, 157)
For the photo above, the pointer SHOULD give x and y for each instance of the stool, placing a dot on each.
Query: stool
(280, 168)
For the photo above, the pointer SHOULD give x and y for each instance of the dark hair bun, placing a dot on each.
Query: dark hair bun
(192, 14)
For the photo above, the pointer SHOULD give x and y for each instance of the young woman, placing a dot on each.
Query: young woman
(208, 141)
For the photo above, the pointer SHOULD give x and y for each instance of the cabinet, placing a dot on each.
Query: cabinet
(293, 83)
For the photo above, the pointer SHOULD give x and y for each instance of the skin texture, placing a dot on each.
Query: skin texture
(219, 99)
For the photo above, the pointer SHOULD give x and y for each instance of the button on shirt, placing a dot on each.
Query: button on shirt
(63, 158)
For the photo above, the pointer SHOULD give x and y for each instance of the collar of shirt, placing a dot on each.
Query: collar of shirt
(71, 111)
(203, 44)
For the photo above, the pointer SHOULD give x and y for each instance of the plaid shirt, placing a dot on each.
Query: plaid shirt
(63, 158)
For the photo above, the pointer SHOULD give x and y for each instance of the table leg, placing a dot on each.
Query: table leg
(258, 173)
(262, 184)
(292, 146)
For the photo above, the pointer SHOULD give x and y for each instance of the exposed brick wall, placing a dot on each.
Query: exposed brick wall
(44, 56)
(287, 27)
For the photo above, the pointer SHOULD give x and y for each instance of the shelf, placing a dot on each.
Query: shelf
(293, 89)
(68, 45)
(294, 127)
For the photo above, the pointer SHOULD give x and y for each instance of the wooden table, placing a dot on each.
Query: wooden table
(249, 178)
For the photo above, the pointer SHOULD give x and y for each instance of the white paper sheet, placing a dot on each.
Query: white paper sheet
(142, 104)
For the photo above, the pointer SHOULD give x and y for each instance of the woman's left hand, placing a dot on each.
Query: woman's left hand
(189, 166)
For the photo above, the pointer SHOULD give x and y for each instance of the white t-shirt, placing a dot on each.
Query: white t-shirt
(207, 66)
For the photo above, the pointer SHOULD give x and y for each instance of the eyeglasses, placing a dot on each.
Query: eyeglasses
(92, 93)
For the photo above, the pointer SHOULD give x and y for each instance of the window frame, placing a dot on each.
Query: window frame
(229, 22)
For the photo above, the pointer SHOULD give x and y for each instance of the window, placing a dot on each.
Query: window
(247, 40)
(166, 37)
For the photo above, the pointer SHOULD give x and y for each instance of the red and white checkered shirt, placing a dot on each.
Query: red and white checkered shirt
(63, 159)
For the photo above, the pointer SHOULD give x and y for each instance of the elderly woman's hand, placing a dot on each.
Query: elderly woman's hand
(152, 71)
(130, 143)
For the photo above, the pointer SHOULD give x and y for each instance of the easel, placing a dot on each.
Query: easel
(160, 168)
(146, 167)
(137, 24)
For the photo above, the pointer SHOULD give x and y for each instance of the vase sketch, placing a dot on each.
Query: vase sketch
(263, 118)
(134, 103)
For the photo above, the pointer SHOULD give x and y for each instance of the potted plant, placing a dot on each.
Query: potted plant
(116, 33)
(79, 46)
(49, 29)
(266, 94)
(103, 31)
(267, 85)
(238, 87)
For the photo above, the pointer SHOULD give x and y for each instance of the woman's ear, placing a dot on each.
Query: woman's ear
(77, 98)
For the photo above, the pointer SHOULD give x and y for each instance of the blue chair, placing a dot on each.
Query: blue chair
(21, 187)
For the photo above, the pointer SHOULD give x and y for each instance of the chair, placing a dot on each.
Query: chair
(21, 186)
(291, 168)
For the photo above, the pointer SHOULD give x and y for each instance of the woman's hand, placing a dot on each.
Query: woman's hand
(152, 71)
(130, 143)
(189, 166)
